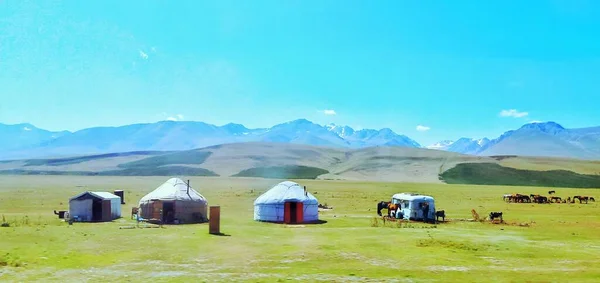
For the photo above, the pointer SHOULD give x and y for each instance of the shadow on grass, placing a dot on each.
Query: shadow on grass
(316, 222)
(220, 234)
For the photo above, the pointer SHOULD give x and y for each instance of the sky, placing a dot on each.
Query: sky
(431, 70)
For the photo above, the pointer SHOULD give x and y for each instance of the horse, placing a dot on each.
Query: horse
(581, 199)
(555, 199)
(540, 199)
(507, 197)
(494, 215)
(524, 198)
(440, 213)
(551, 192)
(592, 199)
(386, 204)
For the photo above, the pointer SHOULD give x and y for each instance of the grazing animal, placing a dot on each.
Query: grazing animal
(386, 204)
(440, 213)
(494, 215)
(581, 199)
(540, 199)
(60, 213)
(555, 199)
(592, 199)
(551, 192)
(525, 198)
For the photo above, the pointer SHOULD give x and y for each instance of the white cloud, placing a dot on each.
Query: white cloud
(513, 113)
(180, 117)
(153, 49)
(171, 119)
(143, 55)
(329, 112)
(422, 128)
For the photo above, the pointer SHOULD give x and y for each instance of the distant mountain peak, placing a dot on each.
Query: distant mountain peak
(300, 121)
(441, 145)
(546, 127)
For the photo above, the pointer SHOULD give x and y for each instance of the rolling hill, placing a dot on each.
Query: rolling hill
(292, 161)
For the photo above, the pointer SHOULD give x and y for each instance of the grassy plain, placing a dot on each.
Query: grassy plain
(559, 242)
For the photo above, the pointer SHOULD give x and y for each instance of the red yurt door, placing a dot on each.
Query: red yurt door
(287, 215)
(293, 213)
(299, 212)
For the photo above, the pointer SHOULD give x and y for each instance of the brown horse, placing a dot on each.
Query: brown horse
(386, 204)
(581, 199)
(555, 199)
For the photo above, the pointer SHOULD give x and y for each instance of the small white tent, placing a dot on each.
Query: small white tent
(95, 207)
(174, 202)
(286, 202)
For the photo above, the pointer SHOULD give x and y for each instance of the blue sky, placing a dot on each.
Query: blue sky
(451, 67)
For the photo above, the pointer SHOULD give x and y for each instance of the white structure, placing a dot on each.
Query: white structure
(414, 206)
(174, 202)
(286, 202)
(95, 207)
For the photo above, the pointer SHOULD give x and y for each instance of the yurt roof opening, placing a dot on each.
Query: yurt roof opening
(174, 202)
(287, 202)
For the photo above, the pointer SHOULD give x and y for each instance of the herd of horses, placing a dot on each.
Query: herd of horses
(519, 198)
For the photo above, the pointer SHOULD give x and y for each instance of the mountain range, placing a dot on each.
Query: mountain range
(548, 139)
(535, 139)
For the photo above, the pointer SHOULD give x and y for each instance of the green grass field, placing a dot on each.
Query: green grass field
(557, 242)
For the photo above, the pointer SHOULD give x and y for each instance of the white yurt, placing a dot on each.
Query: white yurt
(174, 202)
(287, 202)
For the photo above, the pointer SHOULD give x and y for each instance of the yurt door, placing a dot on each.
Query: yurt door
(287, 212)
(293, 212)
(299, 212)
(156, 209)
(106, 210)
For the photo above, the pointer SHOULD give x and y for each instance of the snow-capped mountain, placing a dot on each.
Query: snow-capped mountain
(27, 141)
(533, 139)
(546, 139)
(468, 146)
(342, 131)
(370, 137)
(442, 145)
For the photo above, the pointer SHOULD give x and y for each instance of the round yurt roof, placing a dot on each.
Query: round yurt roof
(174, 189)
(285, 192)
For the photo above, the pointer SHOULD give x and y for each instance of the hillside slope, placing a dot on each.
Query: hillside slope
(292, 161)
(376, 163)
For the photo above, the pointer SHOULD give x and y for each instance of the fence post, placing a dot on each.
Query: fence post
(214, 220)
